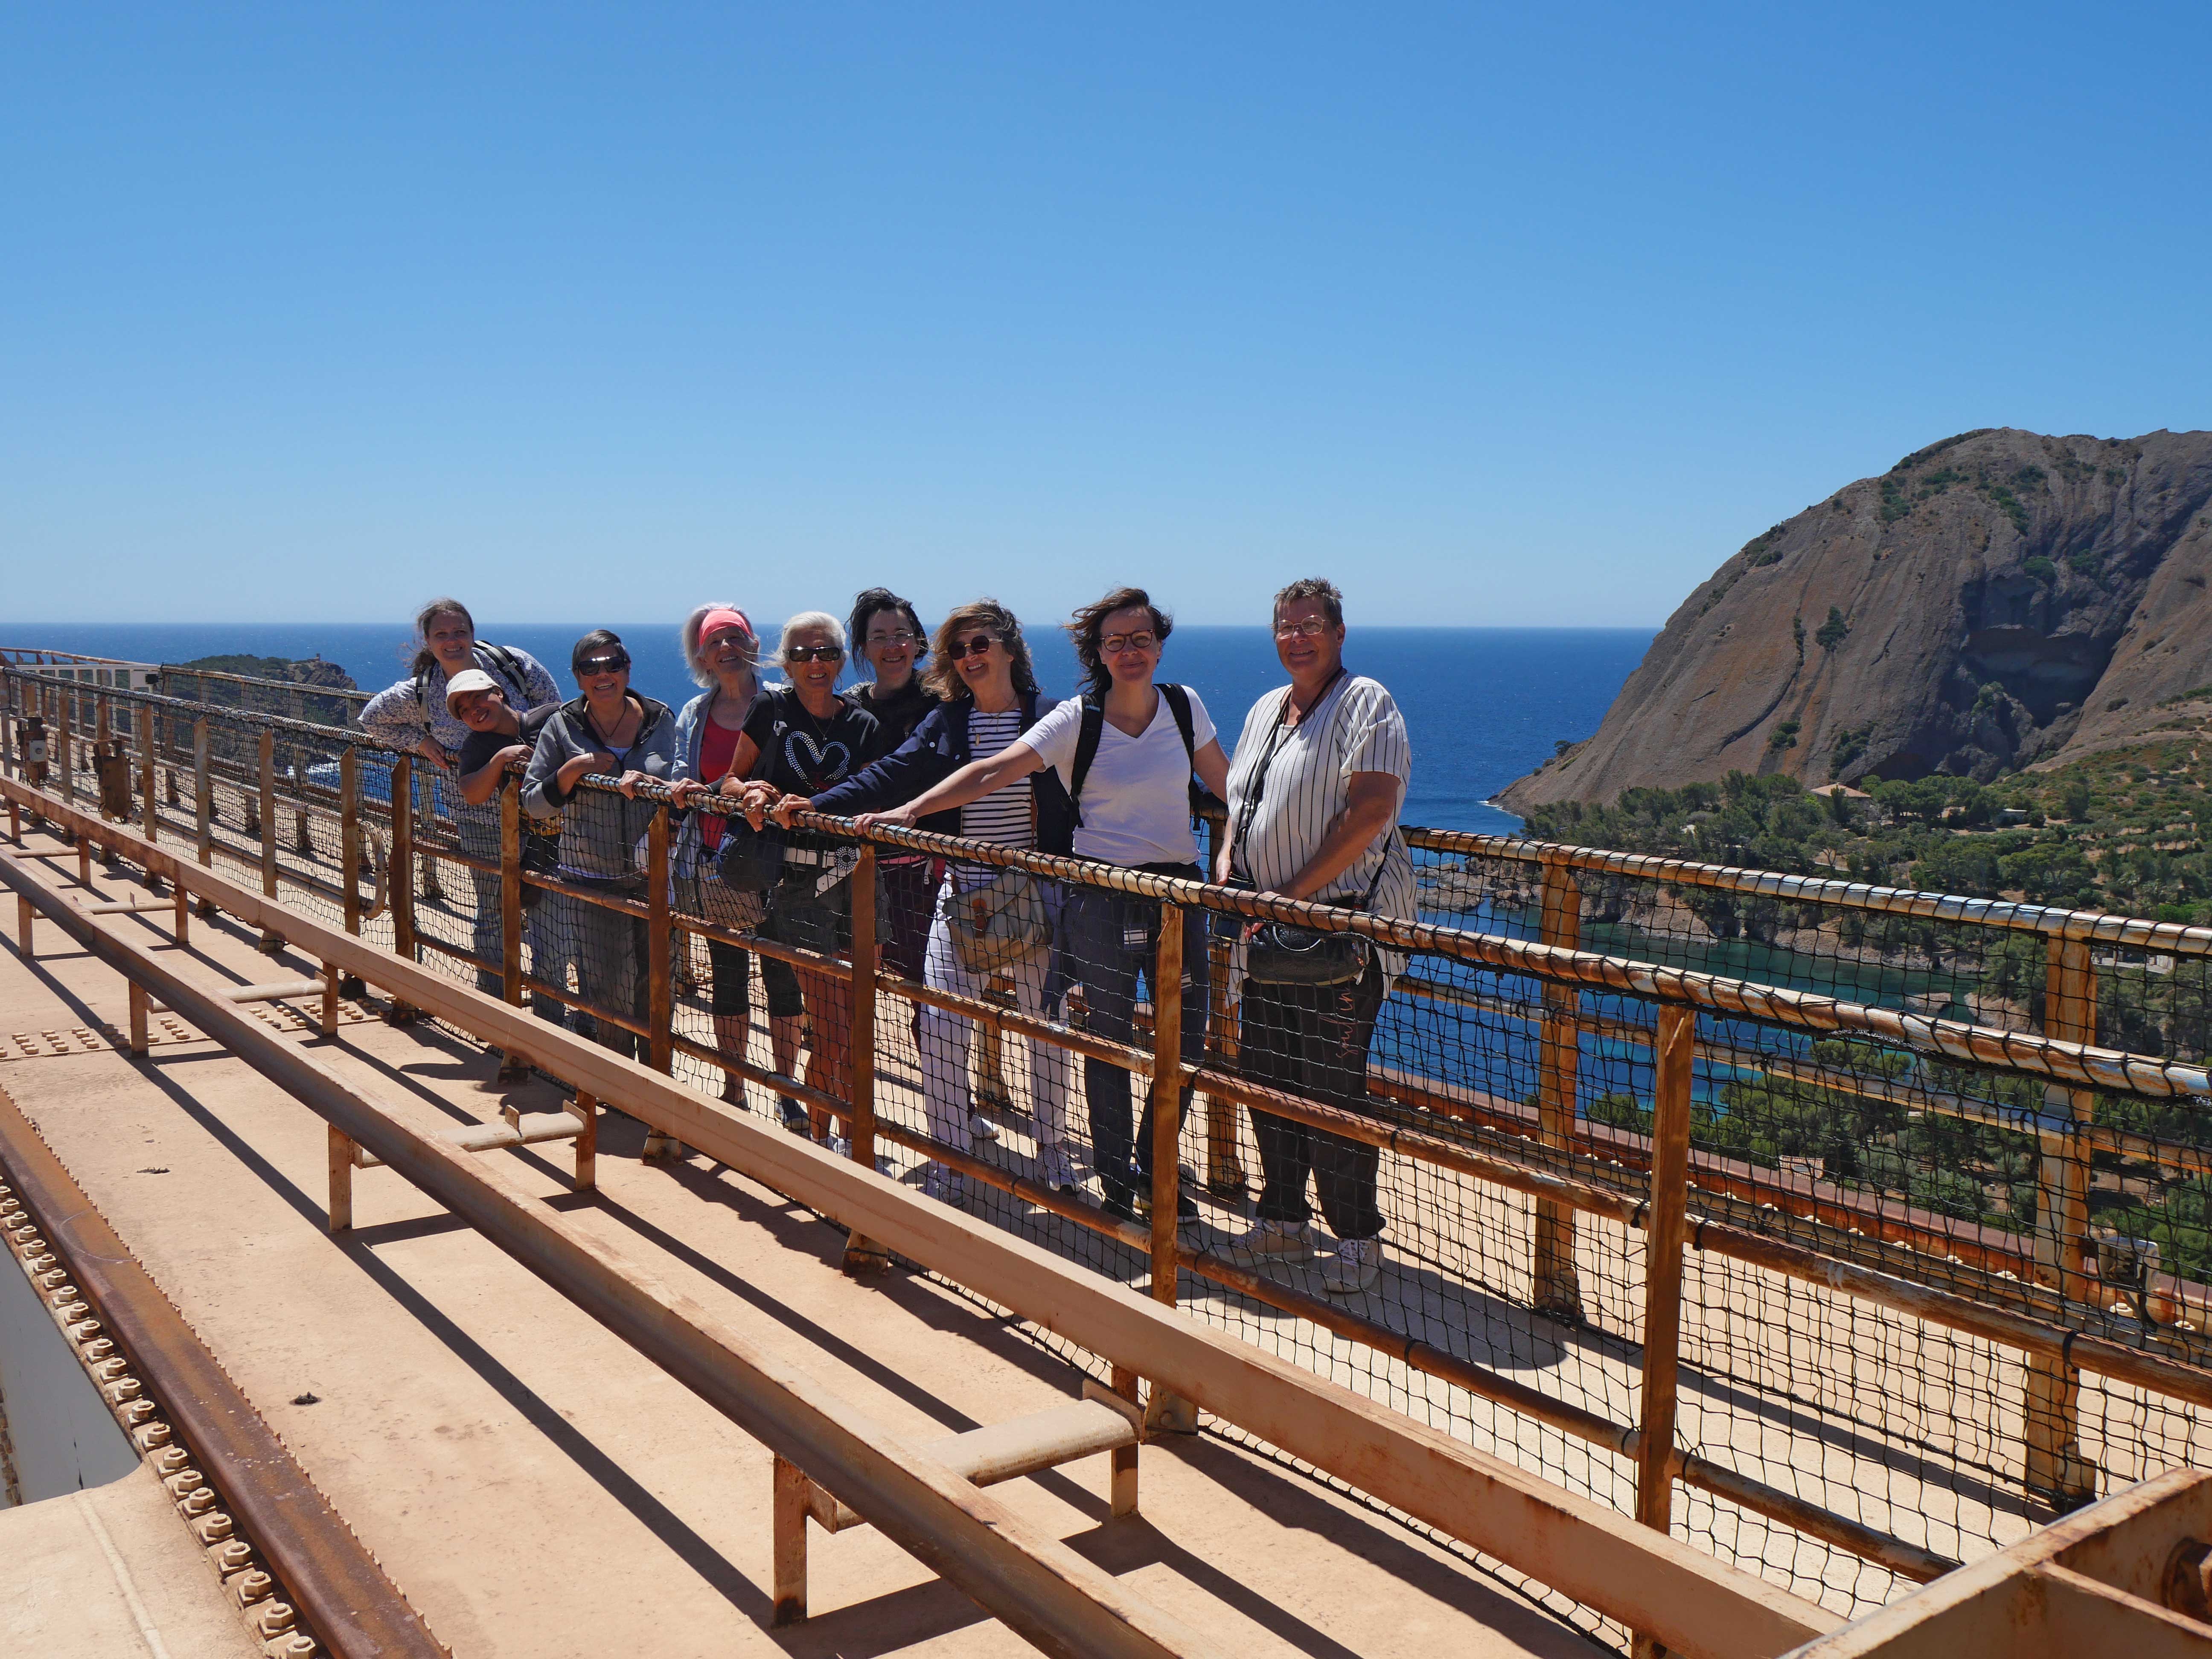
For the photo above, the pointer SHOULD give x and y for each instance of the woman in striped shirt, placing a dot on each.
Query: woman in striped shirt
(979, 666)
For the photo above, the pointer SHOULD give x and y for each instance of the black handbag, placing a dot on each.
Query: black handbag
(749, 860)
(1284, 953)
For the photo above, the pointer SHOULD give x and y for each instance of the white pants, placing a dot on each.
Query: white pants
(945, 1039)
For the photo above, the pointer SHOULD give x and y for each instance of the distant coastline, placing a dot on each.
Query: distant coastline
(1484, 705)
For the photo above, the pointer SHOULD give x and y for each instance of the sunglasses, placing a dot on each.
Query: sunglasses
(814, 653)
(613, 665)
(979, 647)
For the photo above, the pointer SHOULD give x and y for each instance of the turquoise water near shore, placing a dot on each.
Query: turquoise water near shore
(1483, 705)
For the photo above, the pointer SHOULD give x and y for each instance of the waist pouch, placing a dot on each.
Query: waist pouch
(999, 923)
(749, 860)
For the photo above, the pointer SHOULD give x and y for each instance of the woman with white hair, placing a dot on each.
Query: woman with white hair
(720, 648)
(803, 738)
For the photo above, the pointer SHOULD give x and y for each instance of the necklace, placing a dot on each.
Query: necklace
(607, 738)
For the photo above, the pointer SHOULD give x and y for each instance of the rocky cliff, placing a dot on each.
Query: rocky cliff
(1998, 599)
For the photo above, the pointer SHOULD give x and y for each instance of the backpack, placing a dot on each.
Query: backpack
(1094, 727)
(499, 660)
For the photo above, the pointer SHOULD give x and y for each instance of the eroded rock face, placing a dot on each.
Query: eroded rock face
(2000, 598)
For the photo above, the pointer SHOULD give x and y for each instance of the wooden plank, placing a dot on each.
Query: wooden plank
(349, 837)
(1165, 1411)
(400, 884)
(342, 1155)
(268, 763)
(202, 794)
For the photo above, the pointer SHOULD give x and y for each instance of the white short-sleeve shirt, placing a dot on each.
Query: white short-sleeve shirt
(1136, 799)
(1355, 727)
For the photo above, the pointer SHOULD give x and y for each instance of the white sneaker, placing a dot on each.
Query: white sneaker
(840, 1148)
(1055, 1168)
(1357, 1266)
(1272, 1241)
(982, 1127)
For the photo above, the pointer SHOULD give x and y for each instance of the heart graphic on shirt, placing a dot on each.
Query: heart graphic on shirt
(823, 769)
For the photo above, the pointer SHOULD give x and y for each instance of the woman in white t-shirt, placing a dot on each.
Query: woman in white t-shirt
(1130, 782)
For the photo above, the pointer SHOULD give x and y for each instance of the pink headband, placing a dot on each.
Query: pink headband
(715, 621)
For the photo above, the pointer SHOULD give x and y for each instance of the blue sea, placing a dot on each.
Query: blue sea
(1483, 705)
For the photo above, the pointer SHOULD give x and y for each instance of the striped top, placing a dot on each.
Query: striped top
(1355, 727)
(1003, 815)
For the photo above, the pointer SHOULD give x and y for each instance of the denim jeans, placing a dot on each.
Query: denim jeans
(1106, 941)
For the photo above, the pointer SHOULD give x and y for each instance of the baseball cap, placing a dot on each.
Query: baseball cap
(468, 680)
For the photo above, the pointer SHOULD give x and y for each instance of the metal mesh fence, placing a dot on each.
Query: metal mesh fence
(1936, 1289)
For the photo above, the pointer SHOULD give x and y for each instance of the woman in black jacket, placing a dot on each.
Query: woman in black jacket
(981, 670)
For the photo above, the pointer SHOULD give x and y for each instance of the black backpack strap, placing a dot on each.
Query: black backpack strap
(1086, 751)
(422, 695)
(1178, 698)
(506, 663)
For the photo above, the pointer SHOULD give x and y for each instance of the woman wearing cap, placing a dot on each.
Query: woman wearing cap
(722, 648)
(412, 716)
(803, 738)
(983, 673)
(611, 731)
(499, 740)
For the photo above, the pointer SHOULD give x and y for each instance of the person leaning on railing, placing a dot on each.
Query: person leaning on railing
(721, 648)
(1315, 789)
(500, 740)
(802, 739)
(609, 732)
(1127, 751)
(889, 640)
(413, 715)
(934, 780)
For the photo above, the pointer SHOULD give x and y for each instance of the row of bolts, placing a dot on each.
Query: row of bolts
(273, 1622)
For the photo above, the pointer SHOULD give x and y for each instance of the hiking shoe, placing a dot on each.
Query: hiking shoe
(839, 1146)
(1357, 1266)
(982, 1127)
(1054, 1168)
(1186, 1207)
(794, 1117)
(1271, 1241)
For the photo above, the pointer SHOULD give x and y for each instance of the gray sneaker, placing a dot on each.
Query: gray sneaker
(1054, 1168)
(1272, 1241)
(1356, 1267)
(982, 1127)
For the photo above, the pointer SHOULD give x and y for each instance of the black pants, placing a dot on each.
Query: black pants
(1313, 1041)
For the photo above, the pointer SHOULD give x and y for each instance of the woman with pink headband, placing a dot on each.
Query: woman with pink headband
(721, 647)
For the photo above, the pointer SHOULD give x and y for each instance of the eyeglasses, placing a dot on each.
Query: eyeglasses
(1113, 644)
(613, 665)
(979, 647)
(814, 653)
(1311, 629)
(901, 638)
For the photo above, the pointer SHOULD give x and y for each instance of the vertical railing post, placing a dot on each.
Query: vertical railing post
(349, 835)
(1665, 1227)
(65, 737)
(399, 879)
(861, 1254)
(149, 804)
(1224, 1168)
(510, 893)
(271, 944)
(202, 794)
(2056, 1473)
(1555, 1285)
(1167, 1412)
(660, 985)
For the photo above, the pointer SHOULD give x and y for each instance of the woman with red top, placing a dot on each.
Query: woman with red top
(719, 645)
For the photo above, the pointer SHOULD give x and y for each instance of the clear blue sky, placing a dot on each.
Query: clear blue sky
(1499, 315)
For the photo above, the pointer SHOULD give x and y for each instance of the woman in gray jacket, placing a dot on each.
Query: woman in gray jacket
(609, 732)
